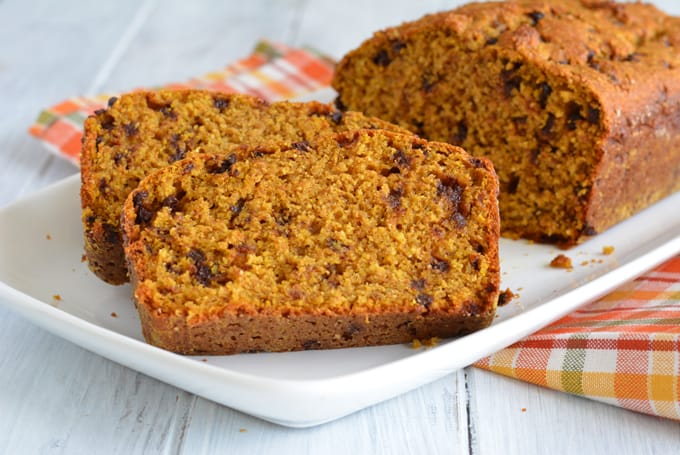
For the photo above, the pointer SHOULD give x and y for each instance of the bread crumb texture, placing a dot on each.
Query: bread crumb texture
(144, 131)
(364, 238)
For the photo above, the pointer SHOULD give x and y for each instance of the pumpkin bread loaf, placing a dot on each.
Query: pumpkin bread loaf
(577, 103)
(144, 131)
(362, 238)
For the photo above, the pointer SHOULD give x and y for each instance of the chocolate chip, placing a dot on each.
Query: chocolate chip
(424, 300)
(168, 112)
(590, 56)
(505, 297)
(172, 201)
(90, 219)
(397, 46)
(99, 111)
(236, 209)
(111, 234)
(510, 80)
(144, 215)
(535, 16)
(188, 167)
(223, 166)
(513, 184)
(394, 198)
(474, 263)
(477, 162)
(491, 41)
(593, 115)
(336, 117)
(103, 185)
(351, 330)
(450, 190)
(401, 159)
(589, 230)
(311, 344)
(439, 265)
(339, 104)
(112, 101)
(418, 284)
(632, 57)
(221, 103)
(203, 273)
(118, 157)
(382, 58)
(178, 147)
(107, 121)
(594, 64)
(461, 133)
(520, 124)
(303, 146)
(573, 114)
(130, 129)
(459, 220)
(547, 129)
(533, 156)
(544, 91)
(390, 171)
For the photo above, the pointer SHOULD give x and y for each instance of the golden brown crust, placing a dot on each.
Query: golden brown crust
(575, 102)
(143, 131)
(369, 238)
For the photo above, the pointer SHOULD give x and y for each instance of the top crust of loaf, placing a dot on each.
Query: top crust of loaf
(576, 103)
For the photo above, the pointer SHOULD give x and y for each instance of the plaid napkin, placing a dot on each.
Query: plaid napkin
(623, 349)
(273, 72)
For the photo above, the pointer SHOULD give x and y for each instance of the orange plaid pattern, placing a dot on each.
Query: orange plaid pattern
(623, 349)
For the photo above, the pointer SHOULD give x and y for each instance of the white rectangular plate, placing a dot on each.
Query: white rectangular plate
(43, 277)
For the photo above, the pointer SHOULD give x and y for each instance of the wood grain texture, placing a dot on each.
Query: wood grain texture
(421, 421)
(58, 398)
(521, 418)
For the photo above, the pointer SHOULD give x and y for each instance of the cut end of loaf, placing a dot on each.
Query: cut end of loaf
(364, 238)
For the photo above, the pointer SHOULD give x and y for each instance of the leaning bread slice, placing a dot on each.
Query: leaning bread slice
(144, 131)
(364, 238)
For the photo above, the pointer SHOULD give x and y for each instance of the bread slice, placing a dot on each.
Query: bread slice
(364, 238)
(144, 131)
(575, 102)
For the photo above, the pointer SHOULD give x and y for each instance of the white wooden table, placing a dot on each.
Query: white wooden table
(58, 398)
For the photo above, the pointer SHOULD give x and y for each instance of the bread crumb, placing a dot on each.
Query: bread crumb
(524, 409)
(584, 263)
(505, 297)
(48, 237)
(83, 258)
(113, 314)
(57, 297)
(242, 430)
(426, 343)
(561, 262)
(607, 250)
